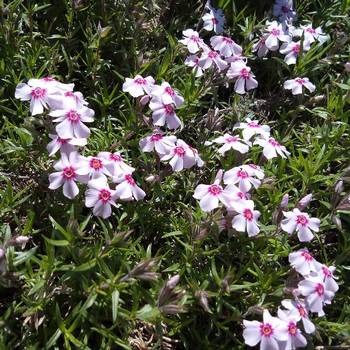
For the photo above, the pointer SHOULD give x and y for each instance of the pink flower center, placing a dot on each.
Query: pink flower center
(248, 214)
(214, 20)
(115, 157)
(194, 38)
(130, 180)
(253, 125)
(48, 79)
(242, 195)
(300, 81)
(212, 54)
(231, 139)
(140, 81)
(169, 109)
(292, 328)
(73, 116)
(296, 48)
(266, 329)
(104, 195)
(96, 163)
(215, 190)
(38, 92)
(169, 91)
(302, 220)
(275, 32)
(156, 137)
(69, 94)
(68, 173)
(227, 40)
(302, 311)
(319, 289)
(242, 174)
(326, 272)
(311, 30)
(62, 141)
(244, 73)
(253, 166)
(274, 143)
(179, 151)
(307, 256)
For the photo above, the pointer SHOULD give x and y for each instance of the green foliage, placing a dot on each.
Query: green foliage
(86, 283)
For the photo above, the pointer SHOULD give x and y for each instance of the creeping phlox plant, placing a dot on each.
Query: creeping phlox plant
(69, 112)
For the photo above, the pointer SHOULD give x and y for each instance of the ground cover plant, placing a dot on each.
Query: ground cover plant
(174, 174)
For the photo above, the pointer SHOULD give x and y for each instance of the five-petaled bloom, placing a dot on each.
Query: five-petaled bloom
(303, 262)
(243, 177)
(138, 86)
(167, 94)
(127, 188)
(116, 164)
(63, 145)
(244, 78)
(214, 21)
(275, 34)
(252, 128)
(231, 142)
(192, 40)
(268, 333)
(302, 223)
(158, 142)
(226, 46)
(297, 84)
(164, 114)
(193, 61)
(211, 58)
(100, 197)
(246, 219)
(271, 148)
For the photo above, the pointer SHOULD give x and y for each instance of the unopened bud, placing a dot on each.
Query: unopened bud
(144, 100)
(339, 187)
(284, 201)
(171, 284)
(347, 67)
(304, 202)
(152, 178)
(18, 241)
(203, 300)
(336, 220)
(2, 253)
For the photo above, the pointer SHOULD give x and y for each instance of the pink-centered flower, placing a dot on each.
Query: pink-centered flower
(214, 20)
(63, 145)
(159, 142)
(94, 167)
(272, 148)
(164, 114)
(237, 197)
(226, 46)
(313, 34)
(127, 188)
(298, 308)
(246, 219)
(297, 85)
(181, 156)
(243, 177)
(71, 122)
(231, 142)
(67, 100)
(295, 338)
(268, 333)
(210, 58)
(193, 61)
(260, 47)
(252, 128)
(192, 40)
(302, 223)
(291, 51)
(275, 34)
(327, 275)
(116, 164)
(67, 175)
(316, 294)
(167, 94)
(138, 86)
(100, 197)
(303, 262)
(244, 78)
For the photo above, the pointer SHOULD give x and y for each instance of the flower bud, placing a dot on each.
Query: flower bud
(347, 67)
(339, 187)
(2, 253)
(284, 201)
(304, 202)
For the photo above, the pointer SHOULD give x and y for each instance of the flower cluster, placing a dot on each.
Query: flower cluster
(163, 100)
(280, 35)
(316, 289)
(69, 112)
(240, 179)
(222, 55)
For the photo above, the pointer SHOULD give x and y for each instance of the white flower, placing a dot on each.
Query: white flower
(67, 100)
(242, 177)
(299, 307)
(162, 144)
(326, 273)
(67, 175)
(63, 145)
(94, 167)
(316, 294)
(275, 33)
(231, 142)
(116, 164)
(303, 262)
(251, 128)
(192, 40)
(193, 61)
(302, 223)
(71, 122)
(210, 58)
(297, 84)
(272, 148)
(214, 21)
(291, 50)
(167, 94)
(181, 156)
(245, 79)
(226, 46)
(100, 197)
(269, 332)
(138, 86)
(260, 47)
(246, 219)
(164, 114)
(128, 189)
(311, 34)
